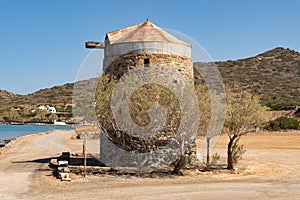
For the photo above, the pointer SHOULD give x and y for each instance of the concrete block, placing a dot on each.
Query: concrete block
(63, 163)
(63, 175)
(66, 179)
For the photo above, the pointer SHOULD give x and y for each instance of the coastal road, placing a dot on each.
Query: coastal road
(270, 170)
(29, 154)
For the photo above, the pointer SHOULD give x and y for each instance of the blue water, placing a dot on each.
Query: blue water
(13, 131)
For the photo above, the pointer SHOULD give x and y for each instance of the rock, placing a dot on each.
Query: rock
(89, 135)
(63, 175)
(53, 162)
(63, 163)
(63, 169)
(66, 179)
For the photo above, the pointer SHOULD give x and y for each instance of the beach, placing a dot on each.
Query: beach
(9, 132)
(270, 170)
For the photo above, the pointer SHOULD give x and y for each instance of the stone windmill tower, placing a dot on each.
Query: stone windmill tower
(156, 45)
(143, 47)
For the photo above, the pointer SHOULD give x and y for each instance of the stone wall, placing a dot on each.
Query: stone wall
(112, 51)
(162, 62)
(171, 67)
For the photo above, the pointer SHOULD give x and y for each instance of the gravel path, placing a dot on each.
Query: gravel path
(272, 164)
(28, 155)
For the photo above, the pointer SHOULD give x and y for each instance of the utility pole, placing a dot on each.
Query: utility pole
(84, 155)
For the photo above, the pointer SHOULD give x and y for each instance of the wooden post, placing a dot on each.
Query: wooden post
(207, 151)
(84, 156)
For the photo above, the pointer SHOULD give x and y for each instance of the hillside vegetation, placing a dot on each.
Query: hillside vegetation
(274, 76)
(6, 96)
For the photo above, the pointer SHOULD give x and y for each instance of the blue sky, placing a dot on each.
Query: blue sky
(42, 42)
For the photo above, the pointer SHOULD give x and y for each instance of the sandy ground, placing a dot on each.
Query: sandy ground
(270, 170)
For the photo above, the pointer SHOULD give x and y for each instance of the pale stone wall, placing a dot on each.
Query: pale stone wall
(124, 63)
(163, 65)
(112, 51)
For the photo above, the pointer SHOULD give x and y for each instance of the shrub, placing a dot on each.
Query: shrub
(215, 159)
(237, 153)
(283, 123)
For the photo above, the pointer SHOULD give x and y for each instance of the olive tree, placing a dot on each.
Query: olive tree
(41, 115)
(141, 103)
(244, 114)
(53, 117)
(205, 114)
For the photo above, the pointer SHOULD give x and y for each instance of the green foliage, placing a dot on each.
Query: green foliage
(41, 115)
(215, 159)
(53, 117)
(141, 102)
(244, 114)
(146, 97)
(57, 96)
(204, 102)
(272, 74)
(68, 109)
(283, 123)
(237, 152)
(28, 115)
(103, 95)
(11, 114)
(180, 163)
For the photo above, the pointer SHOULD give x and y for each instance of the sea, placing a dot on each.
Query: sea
(9, 132)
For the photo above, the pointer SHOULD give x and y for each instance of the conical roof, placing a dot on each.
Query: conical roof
(144, 32)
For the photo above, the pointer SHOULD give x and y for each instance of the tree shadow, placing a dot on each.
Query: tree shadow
(40, 160)
(74, 161)
(90, 161)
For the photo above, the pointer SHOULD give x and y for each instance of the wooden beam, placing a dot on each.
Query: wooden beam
(94, 45)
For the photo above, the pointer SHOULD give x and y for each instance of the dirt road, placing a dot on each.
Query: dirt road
(29, 154)
(270, 170)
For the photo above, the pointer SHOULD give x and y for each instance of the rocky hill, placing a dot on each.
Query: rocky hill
(273, 75)
(6, 96)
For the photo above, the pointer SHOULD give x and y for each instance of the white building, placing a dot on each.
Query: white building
(42, 108)
(51, 109)
(48, 108)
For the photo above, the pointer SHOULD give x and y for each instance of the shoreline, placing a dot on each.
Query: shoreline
(35, 124)
(12, 131)
(12, 142)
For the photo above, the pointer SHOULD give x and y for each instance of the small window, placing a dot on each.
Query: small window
(146, 63)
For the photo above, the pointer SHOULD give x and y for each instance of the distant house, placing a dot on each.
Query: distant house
(52, 109)
(42, 108)
(68, 105)
(48, 108)
(32, 111)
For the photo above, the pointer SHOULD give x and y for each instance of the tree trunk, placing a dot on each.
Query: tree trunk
(179, 164)
(207, 151)
(229, 153)
(181, 161)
